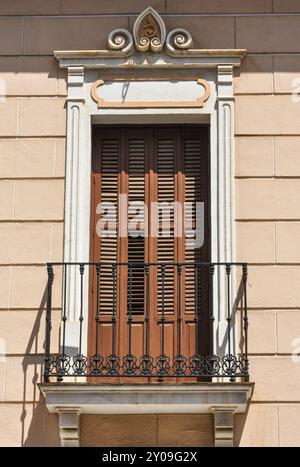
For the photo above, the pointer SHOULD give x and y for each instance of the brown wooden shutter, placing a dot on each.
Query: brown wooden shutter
(136, 244)
(192, 169)
(109, 193)
(165, 241)
(163, 164)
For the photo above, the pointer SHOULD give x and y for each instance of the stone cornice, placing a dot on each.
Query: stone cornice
(116, 59)
(197, 53)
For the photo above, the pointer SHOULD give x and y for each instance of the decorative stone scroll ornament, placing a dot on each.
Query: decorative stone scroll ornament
(120, 39)
(149, 34)
(178, 39)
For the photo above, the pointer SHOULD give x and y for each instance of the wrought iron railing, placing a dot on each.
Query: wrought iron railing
(114, 351)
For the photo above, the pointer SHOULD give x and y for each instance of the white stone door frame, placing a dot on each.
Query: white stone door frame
(86, 66)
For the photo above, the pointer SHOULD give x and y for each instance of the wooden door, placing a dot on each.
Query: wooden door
(155, 310)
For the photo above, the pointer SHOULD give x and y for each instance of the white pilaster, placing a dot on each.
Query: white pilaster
(226, 199)
(76, 226)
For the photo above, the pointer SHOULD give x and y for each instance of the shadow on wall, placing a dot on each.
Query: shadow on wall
(39, 428)
(239, 425)
(188, 430)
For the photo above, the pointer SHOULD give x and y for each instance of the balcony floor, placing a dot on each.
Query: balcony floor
(123, 398)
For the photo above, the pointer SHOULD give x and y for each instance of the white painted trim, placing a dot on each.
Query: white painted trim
(146, 398)
(208, 57)
(226, 200)
(77, 203)
(81, 111)
(117, 60)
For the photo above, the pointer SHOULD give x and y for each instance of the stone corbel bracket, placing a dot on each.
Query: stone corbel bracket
(69, 426)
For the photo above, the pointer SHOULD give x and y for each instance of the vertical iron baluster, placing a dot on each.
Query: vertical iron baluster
(197, 361)
(64, 317)
(211, 317)
(130, 309)
(245, 277)
(163, 273)
(96, 361)
(162, 361)
(179, 362)
(81, 270)
(63, 358)
(97, 318)
(163, 364)
(146, 362)
(147, 310)
(230, 368)
(114, 311)
(80, 360)
(48, 322)
(196, 316)
(212, 367)
(179, 318)
(228, 271)
(113, 361)
(129, 361)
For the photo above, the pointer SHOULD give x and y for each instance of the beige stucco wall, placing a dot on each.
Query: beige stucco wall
(32, 152)
(268, 229)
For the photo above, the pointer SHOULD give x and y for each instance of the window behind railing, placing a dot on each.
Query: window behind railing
(154, 344)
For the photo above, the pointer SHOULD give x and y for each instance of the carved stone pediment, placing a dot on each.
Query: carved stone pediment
(164, 49)
(149, 34)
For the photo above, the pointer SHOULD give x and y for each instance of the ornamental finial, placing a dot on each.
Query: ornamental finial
(149, 34)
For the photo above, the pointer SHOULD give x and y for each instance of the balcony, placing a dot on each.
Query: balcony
(147, 337)
(138, 358)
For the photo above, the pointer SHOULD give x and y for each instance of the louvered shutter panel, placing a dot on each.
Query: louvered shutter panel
(192, 168)
(136, 244)
(108, 244)
(165, 240)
